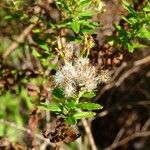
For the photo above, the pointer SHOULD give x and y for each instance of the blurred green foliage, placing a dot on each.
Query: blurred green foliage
(136, 26)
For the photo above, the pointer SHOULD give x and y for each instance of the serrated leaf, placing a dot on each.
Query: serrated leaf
(89, 95)
(81, 115)
(89, 106)
(75, 26)
(51, 107)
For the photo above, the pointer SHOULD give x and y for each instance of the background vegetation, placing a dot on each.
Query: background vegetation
(35, 37)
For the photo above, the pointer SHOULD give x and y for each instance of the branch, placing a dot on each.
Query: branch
(89, 134)
(139, 133)
(20, 39)
(141, 103)
(117, 82)
(127, 139)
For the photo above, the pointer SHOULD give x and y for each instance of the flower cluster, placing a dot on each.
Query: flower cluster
(79, 75)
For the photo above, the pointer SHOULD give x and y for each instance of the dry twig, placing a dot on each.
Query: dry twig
(19, 40)
(140, 133)
(127, 139)
(143, 103)
(89, 134)
(117, 82)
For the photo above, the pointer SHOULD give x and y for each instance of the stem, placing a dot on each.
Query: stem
(79, 96)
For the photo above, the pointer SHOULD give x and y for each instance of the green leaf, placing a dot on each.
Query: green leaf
(131, 20)
(9, 17)
(85, 14)
(75, 26)
(13, 16)
(71, 104)
(127, 20)
(58, 93)
(80, 115)
(89, 95)
(84, 3)
(64, 110)
(71, 120)
(144, 33)
(130, 47)
(44, 62)
(89, 106)
(147, 8)
(37, 30)
(89, 24)
(35, 53)
(125, 3)
(44, 46)
(118, 27)
(128, 7)
(88, 30)
(53, 66)
(41, 43)
(51, 107)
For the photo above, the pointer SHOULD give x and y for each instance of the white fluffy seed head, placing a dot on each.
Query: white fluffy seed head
(69, 90)
(79, 75)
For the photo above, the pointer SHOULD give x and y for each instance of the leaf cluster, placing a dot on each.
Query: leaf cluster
(136, 26)
(71, 109)
(76, 15)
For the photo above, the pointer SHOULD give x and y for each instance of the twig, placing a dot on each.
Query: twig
(142, 61)
(138, 133)
(127, 139)
(20, 39)
(126, 75)
(142, 103)
(89, 134)
(119, 135)
(144, 41)
(136, 67)
(119, 70)
(146, 125)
